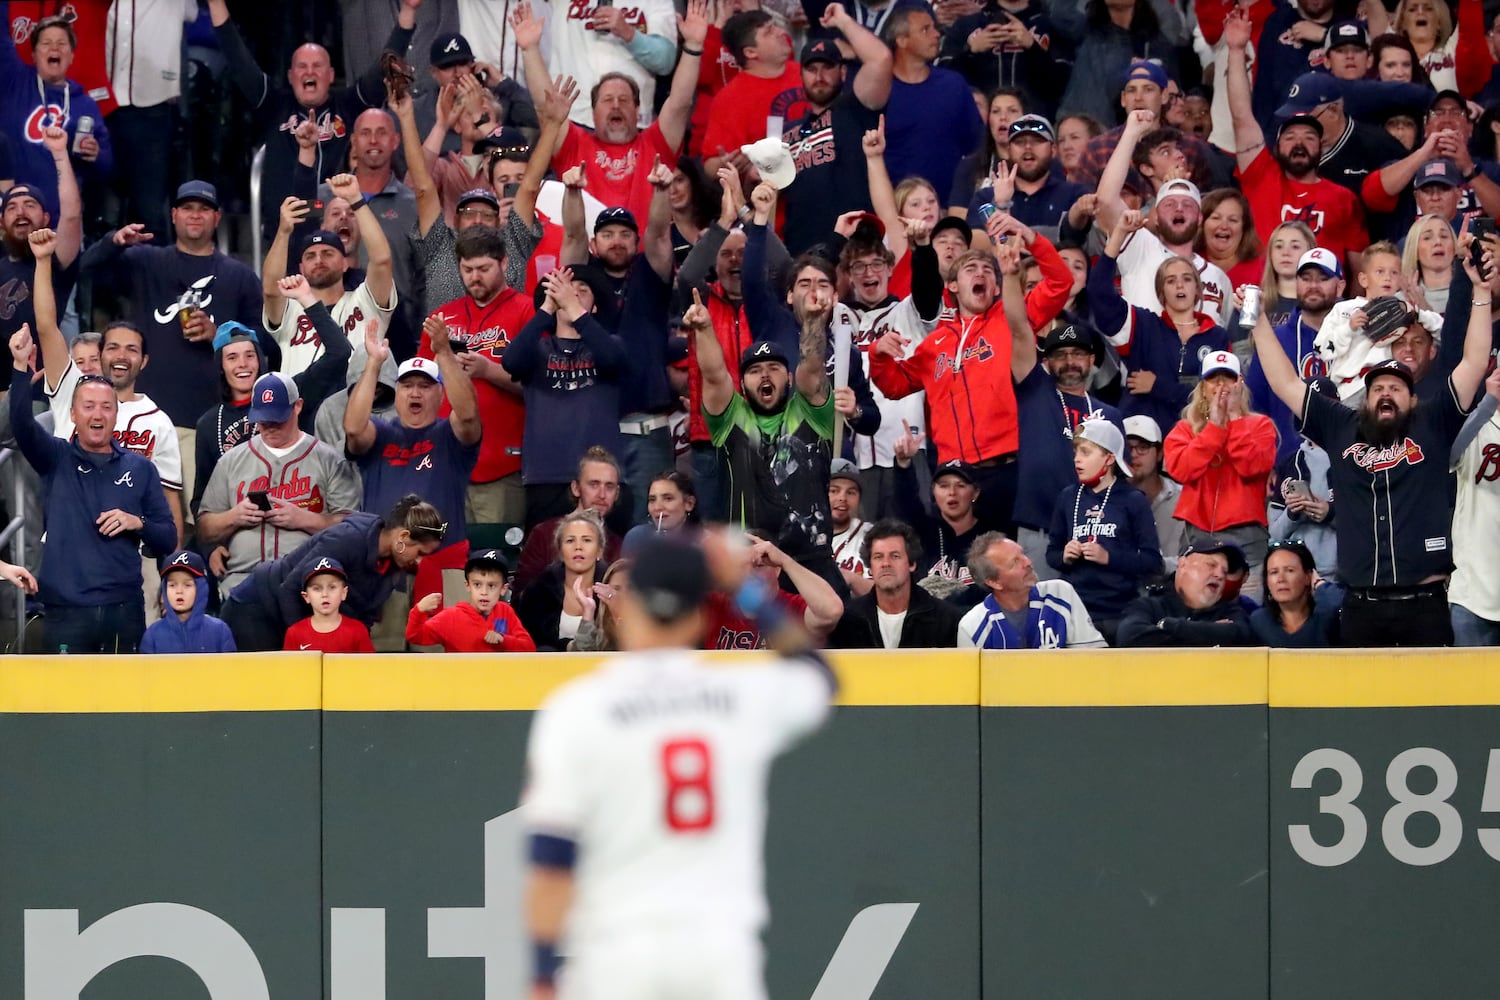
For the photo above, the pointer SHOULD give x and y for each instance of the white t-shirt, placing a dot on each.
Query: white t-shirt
(300, 345)
(655, 765)
(140, 426)
(1139, 261)
(890, 628)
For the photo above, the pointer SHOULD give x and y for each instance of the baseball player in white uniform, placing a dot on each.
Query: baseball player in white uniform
(646, 793)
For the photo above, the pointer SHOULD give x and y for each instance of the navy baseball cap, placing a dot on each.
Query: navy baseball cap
(487, 559)
(1300, 119)
(320, 238)
(956, 467)
(197, 191)
(1033, 125)
(327, 564)
(20, 190)
(616, 217)
(1440, 171)
(1390, 366)
(450, 50)
(188, 561)
(669, 577)
(763, 350)
(953, 222)
(1077, 335)
(1345, 33)
(821, 50)
(273, 398)
(1145, 69)
(1448, 95)
(1309, 91)
(1232, 552)
(478, 194)
(1323, 386)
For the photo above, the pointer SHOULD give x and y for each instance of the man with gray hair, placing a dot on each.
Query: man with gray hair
(1022, 612)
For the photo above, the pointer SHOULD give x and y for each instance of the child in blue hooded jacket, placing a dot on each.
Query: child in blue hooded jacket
(185, 627)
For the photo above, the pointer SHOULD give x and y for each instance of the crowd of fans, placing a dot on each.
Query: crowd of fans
(995, 323)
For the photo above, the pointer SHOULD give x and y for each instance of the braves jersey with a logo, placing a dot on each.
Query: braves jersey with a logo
(430, 462)
(309, 474)
(140, 426)
(299, 340)
(655, 766)
(895, 414)
(1476, 573)
(88, 20)
(848, 547)
(616, 172)
(1392, 526)
(586, 55)
(1055, 619)
(1139, 260)
(1330, 210)
(488, 330)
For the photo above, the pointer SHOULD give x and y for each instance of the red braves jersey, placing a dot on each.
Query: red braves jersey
(350, 637)
(488, 330)
(1330, 210)
(616, 173)
(88, 18)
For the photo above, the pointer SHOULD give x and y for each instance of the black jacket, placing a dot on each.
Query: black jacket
(541, 603)
(1163, 620)
(930, 623)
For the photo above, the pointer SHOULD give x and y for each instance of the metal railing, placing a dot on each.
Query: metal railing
(257, 168)
(15, 532)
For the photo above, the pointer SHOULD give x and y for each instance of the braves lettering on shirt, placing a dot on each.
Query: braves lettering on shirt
(304, 333)
(330, 125)
(571, 371)
(397, 455)
(1489, 464)
(1374, 459)
(980, 350)
(812, 142)
(581, 10)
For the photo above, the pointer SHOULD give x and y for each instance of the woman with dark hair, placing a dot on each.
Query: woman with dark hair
(1299, 613)
(694, 198)
(374, 552)
(1227, 237)
(671, 507)
(1117, 33)
(1073, 134)
(1005, 106)
(1396, 61)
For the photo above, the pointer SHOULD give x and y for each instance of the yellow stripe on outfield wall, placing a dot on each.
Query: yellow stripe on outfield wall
(518, 682)
(1123, 678)
(1359, 679)
(224, 682)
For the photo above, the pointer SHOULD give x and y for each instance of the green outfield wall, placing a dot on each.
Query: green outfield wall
(1017, 826)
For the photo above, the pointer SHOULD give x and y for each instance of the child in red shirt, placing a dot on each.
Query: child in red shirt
(324, 589)
(482, 624)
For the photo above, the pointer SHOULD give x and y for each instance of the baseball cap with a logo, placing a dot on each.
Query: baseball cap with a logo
(486, 559)
(1308, 92)
(1324, 260)
(1145, 69)
(186, 561)
(420, 366)
(320, 238)
(1390, 366)
(1440, 171)
(821, 50)
(450, 50)
(197, 191)
(1220, 361)
(1032, 125)
(616, 216)
(327, 564)
(762, 350)
(1345, 33)
(273, 399)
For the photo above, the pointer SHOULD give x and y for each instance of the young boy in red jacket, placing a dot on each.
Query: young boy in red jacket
(482, 624)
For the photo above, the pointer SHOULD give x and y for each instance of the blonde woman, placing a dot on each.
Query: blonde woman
(1456, 57)
(599, 631)
(1427, 261)
(552, 607)
(1222, 453)
(1278, 283)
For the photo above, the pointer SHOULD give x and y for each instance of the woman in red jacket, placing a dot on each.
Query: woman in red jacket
(1222, 454)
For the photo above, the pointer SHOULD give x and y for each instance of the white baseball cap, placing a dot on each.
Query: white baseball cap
(1325, 260)
(421, 366)
(1143, 427)
(773, 159)
(1107, 436)
(1220, 361)
(1180, 186)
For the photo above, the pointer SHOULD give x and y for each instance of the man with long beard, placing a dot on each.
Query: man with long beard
(1285, 185)
(1389, 463)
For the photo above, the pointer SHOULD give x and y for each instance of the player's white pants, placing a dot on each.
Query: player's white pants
(661, 966)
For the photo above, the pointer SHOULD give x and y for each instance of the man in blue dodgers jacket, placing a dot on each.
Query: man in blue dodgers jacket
(100, 503)
(1020, 612)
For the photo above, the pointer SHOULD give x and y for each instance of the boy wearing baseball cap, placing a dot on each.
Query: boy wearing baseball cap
(484, 623)
(186, 627)
(328, 631)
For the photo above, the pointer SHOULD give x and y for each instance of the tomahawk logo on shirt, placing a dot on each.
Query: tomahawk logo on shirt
(1373, 459)
(980, 350)
(330, 126)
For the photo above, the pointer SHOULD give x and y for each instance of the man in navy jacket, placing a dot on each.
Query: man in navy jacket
(100, 502)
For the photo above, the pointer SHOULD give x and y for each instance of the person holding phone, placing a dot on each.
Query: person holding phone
(275, 490)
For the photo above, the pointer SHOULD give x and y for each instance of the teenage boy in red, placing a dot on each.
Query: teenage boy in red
(482, 624)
